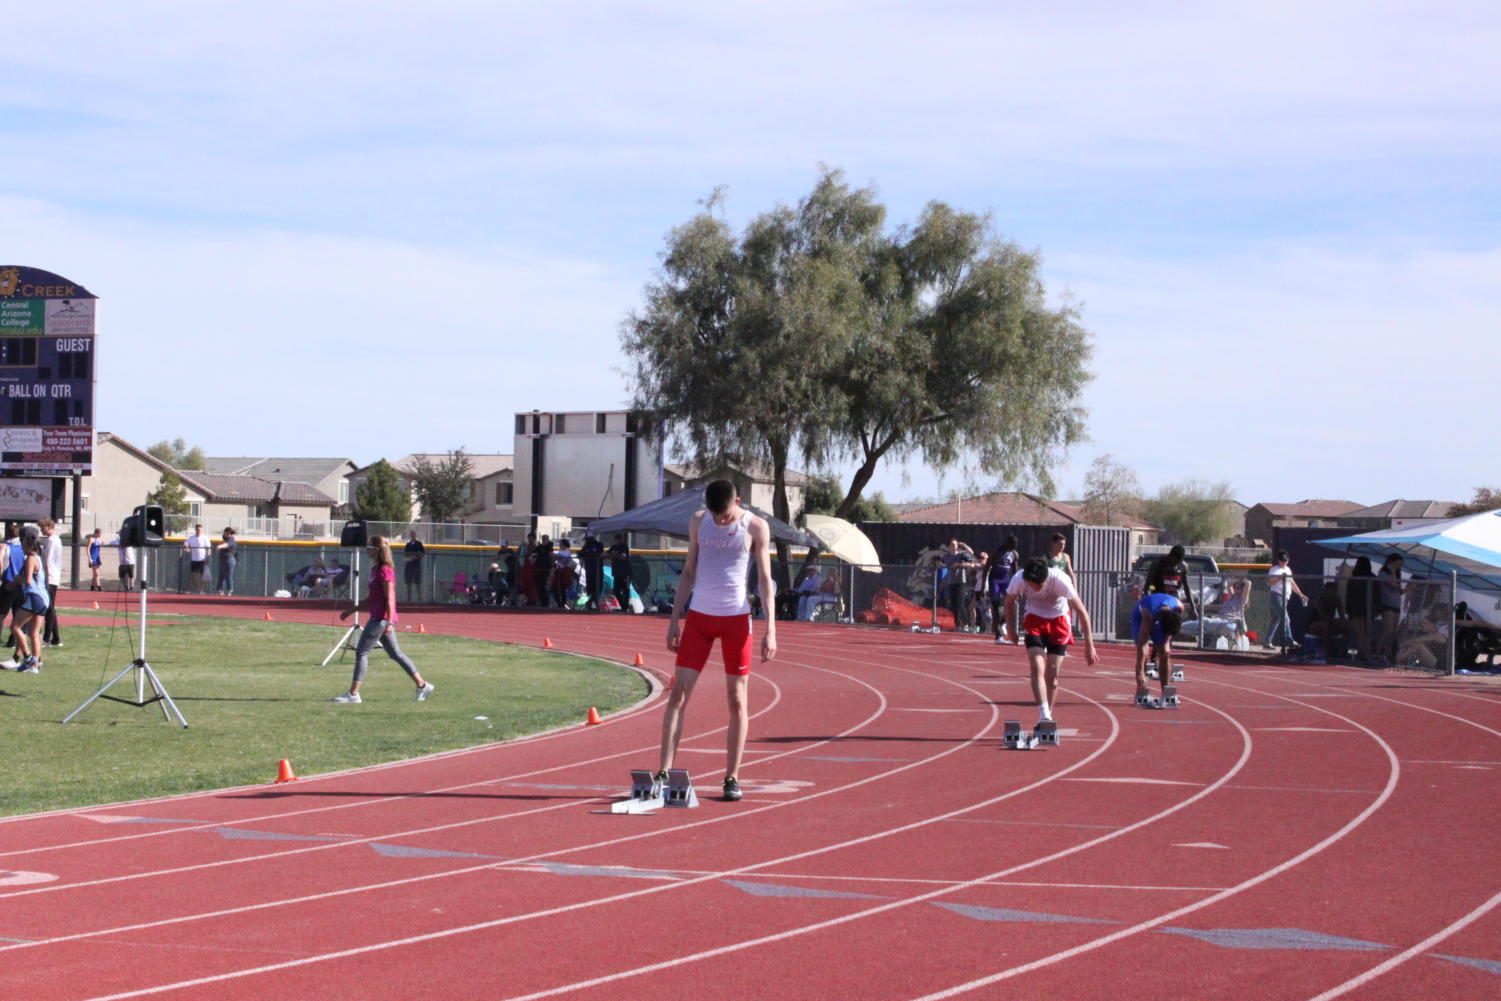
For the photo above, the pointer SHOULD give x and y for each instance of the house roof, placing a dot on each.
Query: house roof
(1008, 508)
(230, 488)
(482, 464)
(300, 470)
(1311, 508)
(757, 472)
(1404, 509)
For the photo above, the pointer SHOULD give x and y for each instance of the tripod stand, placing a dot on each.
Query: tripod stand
(143, 673)
(347, 641)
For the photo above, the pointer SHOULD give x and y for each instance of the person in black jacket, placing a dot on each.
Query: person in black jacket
(1169, 575)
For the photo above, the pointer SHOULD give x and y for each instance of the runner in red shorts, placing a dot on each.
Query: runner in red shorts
(1049, 596)
(722, 541)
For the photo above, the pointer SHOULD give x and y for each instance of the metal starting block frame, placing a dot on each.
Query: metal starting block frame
(1177, 674)
(646, 794)
(1013, 738)
(1144, 700)
(1169, 699)
(1151, 674)
(679, 791)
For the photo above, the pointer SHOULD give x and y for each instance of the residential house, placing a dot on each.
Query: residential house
(753, 482)
(1262, 518)
(124, 474)
(1396, 514)
(328, 476)
(491, 498)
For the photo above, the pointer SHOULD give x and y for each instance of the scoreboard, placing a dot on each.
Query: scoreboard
(46, 374)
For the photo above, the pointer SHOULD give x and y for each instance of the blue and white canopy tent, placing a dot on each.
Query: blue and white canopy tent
(670, 516)
(1467, 547)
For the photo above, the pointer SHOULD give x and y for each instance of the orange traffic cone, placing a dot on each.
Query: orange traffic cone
(593, 719)
(96, 606)
(268, 616)
(640, 660)
(546, 643)
(284, 772)
(422, 627)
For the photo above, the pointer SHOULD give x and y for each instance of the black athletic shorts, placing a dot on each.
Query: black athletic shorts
(1035, 642)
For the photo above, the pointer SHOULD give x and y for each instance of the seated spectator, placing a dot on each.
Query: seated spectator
(825, 590)
(1324, 636)
(1229, 622)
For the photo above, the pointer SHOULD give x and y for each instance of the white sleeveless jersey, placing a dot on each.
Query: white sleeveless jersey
(723, 562)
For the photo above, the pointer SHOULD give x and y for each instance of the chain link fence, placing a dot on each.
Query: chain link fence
(1371, 621)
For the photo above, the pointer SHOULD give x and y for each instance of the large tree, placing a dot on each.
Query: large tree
(1191, 511)
(817, 331)
(443, 486)
(1110, 490)
(737, 340)
(177, 454)
(381, 497)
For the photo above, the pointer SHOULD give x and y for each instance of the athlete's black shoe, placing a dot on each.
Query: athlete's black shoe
(732, 789)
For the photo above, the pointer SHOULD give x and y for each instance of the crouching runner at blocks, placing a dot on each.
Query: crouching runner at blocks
(1155, 620)
(1049, 597)
(722, 541)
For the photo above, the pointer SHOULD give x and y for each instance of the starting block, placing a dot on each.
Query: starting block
(1170, 697)
(679, 791)
(1177, 674)
(1144, 700)
(1014, 739)
(1151, 674)
(646, 794)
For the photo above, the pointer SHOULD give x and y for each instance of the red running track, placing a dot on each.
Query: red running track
(1289, 833)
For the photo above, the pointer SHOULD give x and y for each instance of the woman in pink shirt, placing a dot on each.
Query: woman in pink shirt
(380, 605)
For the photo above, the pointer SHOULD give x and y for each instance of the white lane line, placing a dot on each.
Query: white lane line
(378, 946)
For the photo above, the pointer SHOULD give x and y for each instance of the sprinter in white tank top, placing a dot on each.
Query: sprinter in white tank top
(722, 542)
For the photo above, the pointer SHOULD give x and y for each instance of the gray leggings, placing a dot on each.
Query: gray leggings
(375, 632)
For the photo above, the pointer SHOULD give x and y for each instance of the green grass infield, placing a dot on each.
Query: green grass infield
(253, 693)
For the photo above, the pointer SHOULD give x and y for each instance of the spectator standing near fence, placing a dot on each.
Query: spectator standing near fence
(979, 609)
(1282, 587)
(127, 571)
(1057, 559)
(723, 542)
(411, 569)
(226, 550)
(96, 559)
(592, 556)
(1389, 600)
(1360, 596)
(959, 562)
(198, 547)
(52, 575)
(620, 571)
(1049, 598)
(12, 558)
(380, 625)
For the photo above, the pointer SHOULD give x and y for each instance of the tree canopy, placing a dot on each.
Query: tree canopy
(1485, 499)
(1110, 490)
(815, 330)
(381, 497)
(1191, 511)
(442, 486)
(170, 494)
(177, 454)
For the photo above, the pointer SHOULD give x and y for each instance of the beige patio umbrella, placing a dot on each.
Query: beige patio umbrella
(843, 540)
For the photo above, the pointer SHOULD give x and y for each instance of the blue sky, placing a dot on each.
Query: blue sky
(368, 229)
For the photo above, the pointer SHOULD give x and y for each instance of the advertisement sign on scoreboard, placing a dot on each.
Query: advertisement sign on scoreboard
(46, 374)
